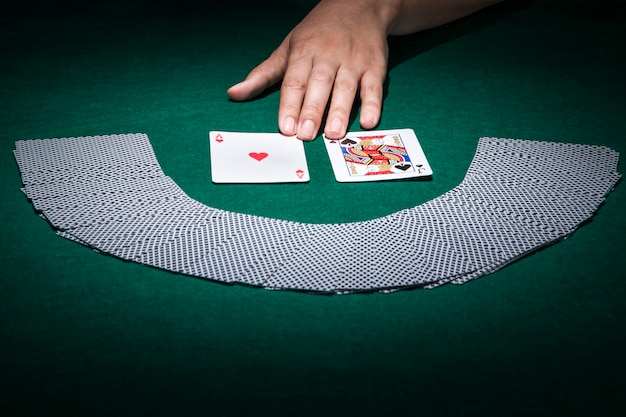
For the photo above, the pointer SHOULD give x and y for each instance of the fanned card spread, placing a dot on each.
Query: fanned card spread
(109, 193)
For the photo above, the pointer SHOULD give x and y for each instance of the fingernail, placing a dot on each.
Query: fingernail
(307, 129)
(335, 127)
(368, 119)
(289, 126)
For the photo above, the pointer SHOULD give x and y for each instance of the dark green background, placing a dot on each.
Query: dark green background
(87, 334)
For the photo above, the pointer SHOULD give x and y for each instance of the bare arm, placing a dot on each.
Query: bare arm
(340, 50)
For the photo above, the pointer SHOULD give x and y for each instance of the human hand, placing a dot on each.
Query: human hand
(337, 51)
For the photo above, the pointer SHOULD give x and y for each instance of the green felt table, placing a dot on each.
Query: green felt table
(86, 334)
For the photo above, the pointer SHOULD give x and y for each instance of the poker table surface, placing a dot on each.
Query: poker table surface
(86, 334)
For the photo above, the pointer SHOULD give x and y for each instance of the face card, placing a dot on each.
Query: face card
(257, 158)
(377, 156)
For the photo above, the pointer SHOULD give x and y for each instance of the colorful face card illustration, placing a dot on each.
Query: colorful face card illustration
(377, 156)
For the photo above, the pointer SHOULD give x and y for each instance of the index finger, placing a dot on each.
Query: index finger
(292, 91)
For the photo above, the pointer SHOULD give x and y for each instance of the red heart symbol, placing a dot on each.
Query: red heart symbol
(258, 156)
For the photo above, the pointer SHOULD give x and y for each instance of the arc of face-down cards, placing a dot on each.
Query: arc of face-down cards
(517, 196)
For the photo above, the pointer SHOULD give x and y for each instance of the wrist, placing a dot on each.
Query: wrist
(389, 13)
(385, 14)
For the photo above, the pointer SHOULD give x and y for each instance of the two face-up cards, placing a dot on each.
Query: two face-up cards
(238, 157)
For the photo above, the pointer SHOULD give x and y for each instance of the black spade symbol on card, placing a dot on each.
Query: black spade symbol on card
(348, 142)
(403, 166)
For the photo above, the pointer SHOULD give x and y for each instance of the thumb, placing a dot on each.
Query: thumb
(266, 74)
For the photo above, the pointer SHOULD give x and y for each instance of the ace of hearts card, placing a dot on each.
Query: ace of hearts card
(238, 157)
(377, 156)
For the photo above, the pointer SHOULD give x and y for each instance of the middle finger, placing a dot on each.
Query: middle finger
(318, 90)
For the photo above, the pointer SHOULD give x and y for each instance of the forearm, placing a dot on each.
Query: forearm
(402, 17)
(417, 15)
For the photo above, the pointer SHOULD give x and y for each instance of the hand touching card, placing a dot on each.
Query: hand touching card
(256, 158)
(377, 156)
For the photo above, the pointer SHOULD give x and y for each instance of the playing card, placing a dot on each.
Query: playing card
(377, 156)
(348, 257)
(257, 158)
(70, 159)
